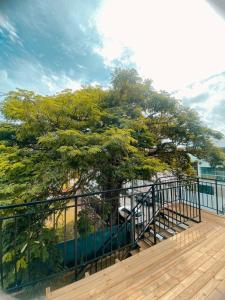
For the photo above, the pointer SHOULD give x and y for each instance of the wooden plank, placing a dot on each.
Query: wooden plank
(192, 290)
(139, 262)
(189, 277)
(190, 265)
(122, 281)
(166, 278)
(215, 295)
(210, 286)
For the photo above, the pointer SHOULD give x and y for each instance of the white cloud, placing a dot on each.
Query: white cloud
(176, 43)
(68, 83)
(208, 98)
(173, 42)
(6, 25)
(32, 75)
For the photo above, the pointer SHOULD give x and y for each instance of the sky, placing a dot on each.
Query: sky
(47, 46)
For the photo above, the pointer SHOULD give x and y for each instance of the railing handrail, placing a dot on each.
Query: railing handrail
(75, 196)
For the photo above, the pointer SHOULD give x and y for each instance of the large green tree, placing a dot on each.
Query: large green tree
(107, 135)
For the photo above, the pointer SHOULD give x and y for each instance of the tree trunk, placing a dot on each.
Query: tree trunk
(113, 198)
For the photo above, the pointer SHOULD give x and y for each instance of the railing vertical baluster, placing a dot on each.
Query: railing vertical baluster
(217, 204)
(41, 232)
(143, 216)
(196, 199)
(28, 249)
(15, 250)
(103, 228)
(64, 239)
(171, 198)
(192, 200)
(118, 240)
(160, 202)
(183, 197)
(158, 207)
(149, 213)
(153, 211)
(163, 205)
(75, 238)
(177, 207)
(54, 220)
(207, 196)
(199, 201)
(167, 199)
(212, 197)
(132, 216)
(86, 229)
(111, 245)
(95, 235)
(187, 198)
(179, 197)
(1, 255)
(221, 191)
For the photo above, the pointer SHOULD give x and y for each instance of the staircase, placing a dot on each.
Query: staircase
(165, 226)
(172, 213)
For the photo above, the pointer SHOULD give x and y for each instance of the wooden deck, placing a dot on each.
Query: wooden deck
(190, 265)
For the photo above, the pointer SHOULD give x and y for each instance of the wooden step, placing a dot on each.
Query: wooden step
(134, 252)
(164, 233)
(176, 223)
(158, 235)
(172, 214)
(165, 227)
(150, 238)
(143, 245)
(168, 215)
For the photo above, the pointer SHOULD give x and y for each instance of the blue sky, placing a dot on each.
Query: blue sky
(47, 46)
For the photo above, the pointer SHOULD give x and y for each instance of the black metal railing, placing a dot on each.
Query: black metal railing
(43, 239)
(212, 195)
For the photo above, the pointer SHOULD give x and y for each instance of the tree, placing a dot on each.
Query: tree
(110, 136)
(84, 224)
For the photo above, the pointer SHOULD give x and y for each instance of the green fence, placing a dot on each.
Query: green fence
(95, 245)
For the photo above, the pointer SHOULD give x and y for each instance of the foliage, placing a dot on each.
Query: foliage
(85, 224)
(28, 249)
(110, 136)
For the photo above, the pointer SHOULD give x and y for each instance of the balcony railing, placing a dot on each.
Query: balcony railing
(212, 195)
(48, 238)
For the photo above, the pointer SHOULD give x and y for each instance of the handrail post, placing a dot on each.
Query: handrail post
(132, 215)
(1, 256)
(217, 204)
(199, 202)
(75, 239)
(153, 211)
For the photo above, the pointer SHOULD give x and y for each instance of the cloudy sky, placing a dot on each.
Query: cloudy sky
(50, 45)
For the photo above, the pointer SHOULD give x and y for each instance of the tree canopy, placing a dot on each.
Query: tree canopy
(109, 136)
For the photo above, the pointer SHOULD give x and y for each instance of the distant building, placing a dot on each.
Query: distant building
(204, 169)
